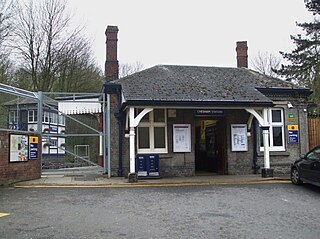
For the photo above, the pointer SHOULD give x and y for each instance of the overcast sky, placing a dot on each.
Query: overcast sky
(186, 32)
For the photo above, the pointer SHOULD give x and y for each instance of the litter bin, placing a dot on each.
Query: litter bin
(148, 166)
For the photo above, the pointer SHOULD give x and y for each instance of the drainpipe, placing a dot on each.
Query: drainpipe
(120, 122)
(256, 167)
(39, 123)
(107, 122)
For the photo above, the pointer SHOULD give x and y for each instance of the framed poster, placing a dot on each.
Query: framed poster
(239, 140)
(181, 138)
(19, 148)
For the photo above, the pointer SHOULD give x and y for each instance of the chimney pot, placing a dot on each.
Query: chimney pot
(242, 54)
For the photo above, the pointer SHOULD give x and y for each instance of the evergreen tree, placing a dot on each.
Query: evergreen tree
(305, 58)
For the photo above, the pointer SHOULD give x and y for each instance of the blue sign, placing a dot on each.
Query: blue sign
(293, 136)
(33, 147)
(53, 129)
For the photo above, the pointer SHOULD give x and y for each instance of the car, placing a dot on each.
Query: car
(307, 168)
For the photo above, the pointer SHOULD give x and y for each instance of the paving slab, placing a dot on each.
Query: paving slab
(100, 180)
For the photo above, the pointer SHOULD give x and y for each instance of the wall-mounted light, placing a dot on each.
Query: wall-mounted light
(290, 106)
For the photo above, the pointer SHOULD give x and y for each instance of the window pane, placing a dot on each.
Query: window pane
(62, 119)
(13, 117)
(54, 118)
(143, 138)
(314, 155)
(30, 115)
(159, 115)
(276, 116)
(277, 136)
(159, 137)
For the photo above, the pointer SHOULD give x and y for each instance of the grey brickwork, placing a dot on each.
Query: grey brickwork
(238, 162)
(114, 136)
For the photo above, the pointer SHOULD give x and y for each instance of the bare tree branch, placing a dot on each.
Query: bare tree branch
(266, 63)
(128, 69)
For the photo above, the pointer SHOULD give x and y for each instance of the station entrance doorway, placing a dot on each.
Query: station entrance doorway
(211, 146)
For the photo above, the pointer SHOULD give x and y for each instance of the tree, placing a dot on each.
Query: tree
(78, 71)
(266, 63)
(7, 11)
(128, 69)
(54, 55)
(305, 58)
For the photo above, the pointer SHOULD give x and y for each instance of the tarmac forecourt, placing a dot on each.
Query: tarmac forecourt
(138, 185)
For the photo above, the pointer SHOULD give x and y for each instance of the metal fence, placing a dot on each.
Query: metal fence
(33, 108)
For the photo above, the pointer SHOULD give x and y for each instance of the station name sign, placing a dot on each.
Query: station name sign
(205, 113)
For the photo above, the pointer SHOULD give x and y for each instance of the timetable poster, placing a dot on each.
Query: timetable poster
(239, 137)
(181, 138)
(19, 148)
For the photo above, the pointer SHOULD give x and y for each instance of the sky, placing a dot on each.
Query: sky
(186, 32)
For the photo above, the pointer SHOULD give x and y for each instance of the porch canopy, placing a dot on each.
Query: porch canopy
(170, 86)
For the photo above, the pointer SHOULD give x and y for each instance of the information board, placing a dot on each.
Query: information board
(34, 147)
(293, 134)
(19, 148)
(239, 137)
(181, 138)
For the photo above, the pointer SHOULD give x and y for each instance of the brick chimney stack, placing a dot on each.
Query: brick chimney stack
(112, 64)
(242, 54)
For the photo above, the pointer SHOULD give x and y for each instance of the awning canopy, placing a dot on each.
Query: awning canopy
(80, 106)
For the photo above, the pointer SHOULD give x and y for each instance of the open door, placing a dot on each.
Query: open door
(210, 146)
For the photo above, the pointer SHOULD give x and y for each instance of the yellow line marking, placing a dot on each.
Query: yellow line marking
(155, 184)
(4, 214)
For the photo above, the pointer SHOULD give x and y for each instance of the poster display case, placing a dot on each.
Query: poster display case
(181, 138)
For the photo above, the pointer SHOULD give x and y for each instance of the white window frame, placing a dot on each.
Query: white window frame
(53, 118)
(46, 117)
(267, 114)
(13, 117)
(61, 120)
(32, 114)
(151, 125)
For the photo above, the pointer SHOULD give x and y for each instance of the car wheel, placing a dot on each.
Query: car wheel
(295, 176)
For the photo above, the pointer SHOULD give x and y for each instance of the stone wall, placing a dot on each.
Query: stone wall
(239, 162)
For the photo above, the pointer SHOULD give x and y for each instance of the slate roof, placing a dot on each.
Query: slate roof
(170, 83)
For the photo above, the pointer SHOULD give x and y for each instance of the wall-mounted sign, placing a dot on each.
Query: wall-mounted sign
(181, 138)
(19, 148)
(292, 117)
(33, 147)
(293, 134)
(172, 113)
(293, 127)
(53, 129)
(239, 137)
(207, 113)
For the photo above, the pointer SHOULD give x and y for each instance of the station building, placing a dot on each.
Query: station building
(199, 119)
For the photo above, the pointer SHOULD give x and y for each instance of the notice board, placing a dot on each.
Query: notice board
(239, 137)
(181, 138)
(19, 148)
